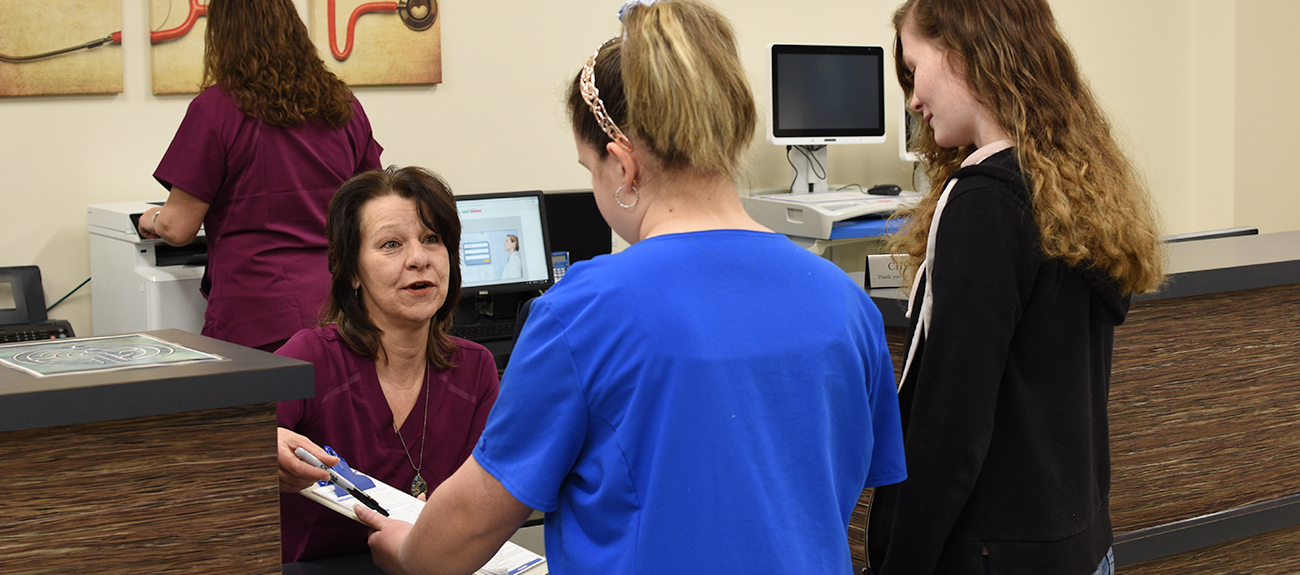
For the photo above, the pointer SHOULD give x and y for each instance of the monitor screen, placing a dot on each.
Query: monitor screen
(827, 95)
(575, 225)
(503, 243)
(22, 298)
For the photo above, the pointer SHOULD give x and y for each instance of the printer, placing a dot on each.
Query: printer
(829, 215)
(141, 284)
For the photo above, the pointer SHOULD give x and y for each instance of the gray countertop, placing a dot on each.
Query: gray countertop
(249, 377)
(1194, 268)
(1231, 264)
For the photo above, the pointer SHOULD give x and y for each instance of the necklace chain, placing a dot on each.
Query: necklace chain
(423, 429)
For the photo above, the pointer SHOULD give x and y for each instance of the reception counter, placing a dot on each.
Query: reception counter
(1204, 411)
(166, 469)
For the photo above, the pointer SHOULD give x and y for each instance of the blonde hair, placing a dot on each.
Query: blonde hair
(1090, 205)
(674, 82)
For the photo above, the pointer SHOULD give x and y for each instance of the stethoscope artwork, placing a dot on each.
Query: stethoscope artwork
(379, 49)
(196, 9)
(418, 15)
(29, 67)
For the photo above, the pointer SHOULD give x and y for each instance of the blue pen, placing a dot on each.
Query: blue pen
(341, 482)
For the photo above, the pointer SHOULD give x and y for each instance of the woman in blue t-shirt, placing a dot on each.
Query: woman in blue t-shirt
(711, 399)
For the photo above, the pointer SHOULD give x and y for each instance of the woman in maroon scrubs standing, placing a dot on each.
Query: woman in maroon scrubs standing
(255, 162)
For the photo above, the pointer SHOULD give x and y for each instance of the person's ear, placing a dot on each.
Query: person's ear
(627, 160)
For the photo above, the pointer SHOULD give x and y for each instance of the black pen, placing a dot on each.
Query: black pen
(340, 481)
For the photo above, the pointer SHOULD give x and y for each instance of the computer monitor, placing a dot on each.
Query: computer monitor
(824, 95)
(504, 247)
(576, 226)
(22, 297)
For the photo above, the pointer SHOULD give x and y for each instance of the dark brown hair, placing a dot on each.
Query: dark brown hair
(259, 53)
(437, 209)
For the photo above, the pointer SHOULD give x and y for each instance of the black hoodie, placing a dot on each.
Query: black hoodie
(1004, 405)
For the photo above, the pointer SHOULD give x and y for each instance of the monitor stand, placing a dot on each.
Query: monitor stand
(500, 307)
(809, 164)
(497, 313)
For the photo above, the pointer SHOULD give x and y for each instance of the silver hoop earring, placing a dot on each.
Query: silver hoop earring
(636, 197)
(356, 295)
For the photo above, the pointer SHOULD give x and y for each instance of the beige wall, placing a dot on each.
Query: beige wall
(1267, 85)
(1201, 91)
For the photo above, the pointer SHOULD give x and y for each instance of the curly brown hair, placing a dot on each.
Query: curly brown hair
(1091, 207)
(259, 52)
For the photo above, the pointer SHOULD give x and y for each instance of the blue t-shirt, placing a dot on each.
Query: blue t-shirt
(699, 403)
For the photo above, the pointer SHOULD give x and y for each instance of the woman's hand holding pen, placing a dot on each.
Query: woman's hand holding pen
(296, 474)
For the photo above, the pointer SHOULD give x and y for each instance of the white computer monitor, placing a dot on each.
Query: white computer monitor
(824, 95)
(491, 222)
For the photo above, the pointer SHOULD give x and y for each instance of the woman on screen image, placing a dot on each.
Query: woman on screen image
(1021, 264)
(663, 419)
(513, 267)
(396, 396)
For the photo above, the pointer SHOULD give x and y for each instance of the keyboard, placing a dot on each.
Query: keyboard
(486, 331)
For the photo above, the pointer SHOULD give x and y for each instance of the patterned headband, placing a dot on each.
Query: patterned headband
(591, 94)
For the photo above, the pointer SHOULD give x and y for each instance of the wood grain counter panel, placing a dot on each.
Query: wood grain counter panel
(182, 493)
(1205, 405)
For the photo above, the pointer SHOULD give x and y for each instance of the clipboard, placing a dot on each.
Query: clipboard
(510, 559)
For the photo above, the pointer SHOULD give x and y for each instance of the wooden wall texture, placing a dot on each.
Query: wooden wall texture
(185, 493)
(1205, 417)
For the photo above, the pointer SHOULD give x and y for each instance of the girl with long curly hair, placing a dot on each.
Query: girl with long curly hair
(255, 162)
(1021, 266)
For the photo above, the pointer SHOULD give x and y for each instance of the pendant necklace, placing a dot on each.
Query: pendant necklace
(418, 486)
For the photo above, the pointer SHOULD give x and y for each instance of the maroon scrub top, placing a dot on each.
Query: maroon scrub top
(350, 414)
(268, 189)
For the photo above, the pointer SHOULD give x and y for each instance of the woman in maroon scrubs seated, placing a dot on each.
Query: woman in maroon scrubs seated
(396, 396)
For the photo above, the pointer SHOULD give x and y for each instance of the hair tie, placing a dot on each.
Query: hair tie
(627, 7)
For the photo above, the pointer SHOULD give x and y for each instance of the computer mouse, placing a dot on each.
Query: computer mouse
(884, 190)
